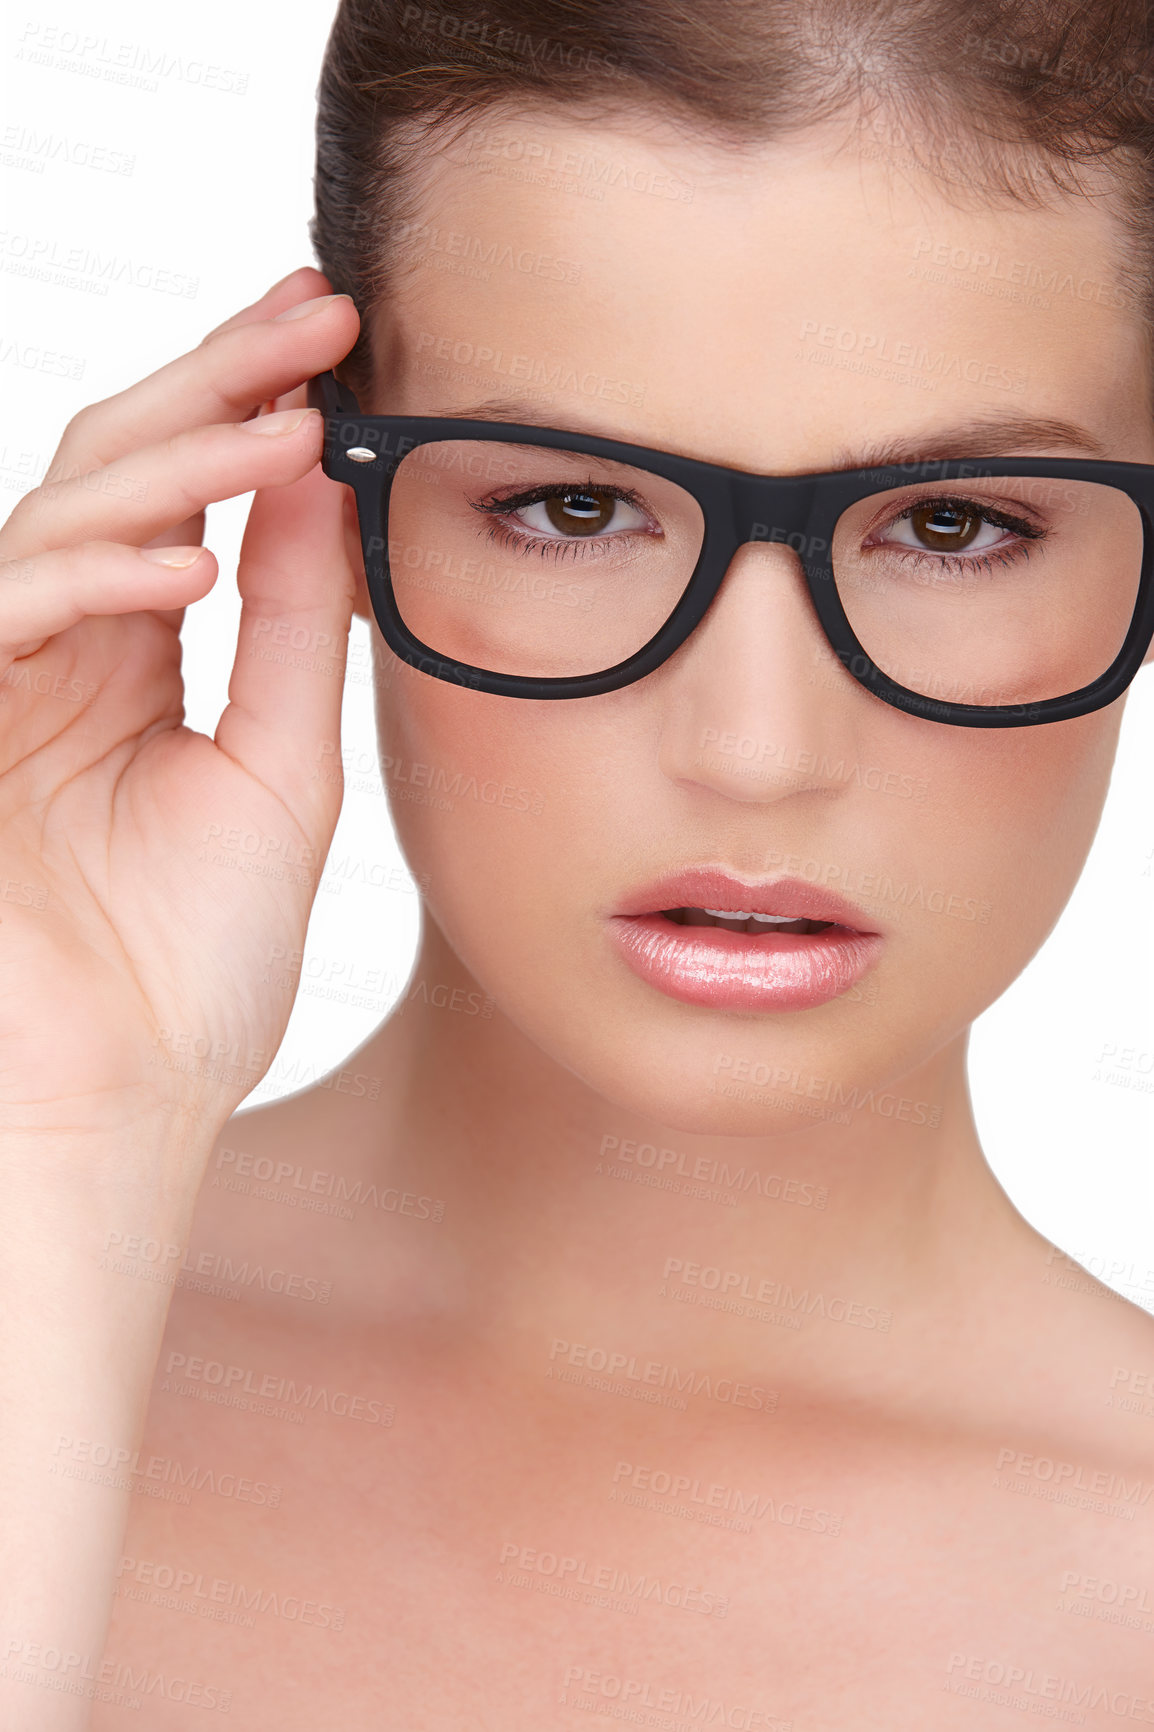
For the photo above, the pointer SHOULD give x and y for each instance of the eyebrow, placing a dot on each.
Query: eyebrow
(988, 436)
(985, 436)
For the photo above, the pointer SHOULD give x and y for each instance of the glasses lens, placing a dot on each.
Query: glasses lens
(1002, 590)
(536, 560)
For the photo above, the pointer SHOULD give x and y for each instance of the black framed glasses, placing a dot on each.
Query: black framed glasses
(536, 563)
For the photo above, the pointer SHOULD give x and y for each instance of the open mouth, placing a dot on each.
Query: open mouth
(781, 945)
(742, 920)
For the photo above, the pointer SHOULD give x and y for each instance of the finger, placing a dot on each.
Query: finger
(299, 287)
(185, 534)
(46, 594)
(284, 713)
(169, 483)
(190, 533)
(223, 380)
(297, 399)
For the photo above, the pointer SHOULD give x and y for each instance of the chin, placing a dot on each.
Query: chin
(709, 1074)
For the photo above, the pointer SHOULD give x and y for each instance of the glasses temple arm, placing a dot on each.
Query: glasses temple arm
(326, 393)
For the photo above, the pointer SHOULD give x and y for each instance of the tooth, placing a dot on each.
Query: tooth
(745, 914)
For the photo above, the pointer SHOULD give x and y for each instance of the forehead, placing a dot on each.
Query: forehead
(757, 306)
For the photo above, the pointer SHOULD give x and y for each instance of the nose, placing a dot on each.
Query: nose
(757, 707)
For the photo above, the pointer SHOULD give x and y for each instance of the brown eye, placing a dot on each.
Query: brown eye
(580, 512)
(944, 527)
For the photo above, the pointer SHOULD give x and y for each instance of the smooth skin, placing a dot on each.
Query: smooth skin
(504, 1224)
(107, 803)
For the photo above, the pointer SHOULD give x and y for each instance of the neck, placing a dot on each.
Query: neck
(571, 1219)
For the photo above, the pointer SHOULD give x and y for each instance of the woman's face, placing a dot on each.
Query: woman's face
(784, 310)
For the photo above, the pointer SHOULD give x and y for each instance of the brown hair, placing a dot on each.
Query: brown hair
(1012, 99)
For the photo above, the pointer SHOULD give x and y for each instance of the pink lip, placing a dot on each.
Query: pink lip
(738, 971)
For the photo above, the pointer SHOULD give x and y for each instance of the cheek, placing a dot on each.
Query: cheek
(483, 792)
(527, 819)
(1011, 816)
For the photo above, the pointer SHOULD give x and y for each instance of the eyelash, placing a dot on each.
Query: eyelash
(964, 565)
(547, 547)
(952, 564)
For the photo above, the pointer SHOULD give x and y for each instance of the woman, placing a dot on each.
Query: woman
(638, 1330)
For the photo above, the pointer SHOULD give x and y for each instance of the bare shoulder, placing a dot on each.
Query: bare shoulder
(1071, 1408)
(1104, 1344)
(891, 1565)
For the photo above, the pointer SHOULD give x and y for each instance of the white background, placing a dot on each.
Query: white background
(177, 148)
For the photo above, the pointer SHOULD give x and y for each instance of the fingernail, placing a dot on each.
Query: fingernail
(304, 308)
(284, 421)
(177, 557)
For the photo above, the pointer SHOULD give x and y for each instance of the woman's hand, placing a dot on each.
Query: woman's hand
(150, 877)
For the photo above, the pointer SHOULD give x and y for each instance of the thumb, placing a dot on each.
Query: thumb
(296, 586)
